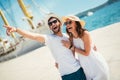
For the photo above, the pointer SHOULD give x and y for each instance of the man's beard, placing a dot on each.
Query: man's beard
(58, 30)
(55, 32)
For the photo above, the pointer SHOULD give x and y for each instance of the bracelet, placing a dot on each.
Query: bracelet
(15, 29)
(70, 46)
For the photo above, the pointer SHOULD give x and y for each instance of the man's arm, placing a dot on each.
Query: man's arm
(27, 34)
(30, 35)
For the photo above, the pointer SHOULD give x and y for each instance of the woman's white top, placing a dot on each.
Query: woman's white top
(94, 65)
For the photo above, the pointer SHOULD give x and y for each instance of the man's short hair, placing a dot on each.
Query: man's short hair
(53, 17)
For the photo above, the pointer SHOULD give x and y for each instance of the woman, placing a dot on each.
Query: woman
(94, 65)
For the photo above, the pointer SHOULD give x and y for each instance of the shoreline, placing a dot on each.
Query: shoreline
(39, 64)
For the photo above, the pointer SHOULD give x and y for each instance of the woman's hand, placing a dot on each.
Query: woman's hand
(9, 29)
(65, 43)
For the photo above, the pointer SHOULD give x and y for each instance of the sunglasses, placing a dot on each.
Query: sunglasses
(68, 22)
(50, 23)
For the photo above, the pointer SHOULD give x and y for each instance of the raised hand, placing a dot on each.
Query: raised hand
(9, 29)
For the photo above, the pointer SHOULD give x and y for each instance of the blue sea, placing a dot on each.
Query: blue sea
(105, 16)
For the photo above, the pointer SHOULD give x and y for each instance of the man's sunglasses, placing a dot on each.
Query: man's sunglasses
(50, 23)
(68, 22)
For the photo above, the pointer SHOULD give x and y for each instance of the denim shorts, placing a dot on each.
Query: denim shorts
(78, 75)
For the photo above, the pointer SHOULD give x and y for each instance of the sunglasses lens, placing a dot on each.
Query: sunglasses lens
(55, 21)
(68, 22)
(50, 23)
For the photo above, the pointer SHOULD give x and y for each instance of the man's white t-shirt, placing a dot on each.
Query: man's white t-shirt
(63, 56)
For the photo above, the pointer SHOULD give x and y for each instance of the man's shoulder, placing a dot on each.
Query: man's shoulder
(49, 36)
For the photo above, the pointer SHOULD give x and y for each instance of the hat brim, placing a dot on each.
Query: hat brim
(65, 18)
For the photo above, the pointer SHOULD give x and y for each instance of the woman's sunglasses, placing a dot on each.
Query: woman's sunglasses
(68, 22)
(50, 23)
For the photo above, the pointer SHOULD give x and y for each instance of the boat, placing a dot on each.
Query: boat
(23, 45)
(90, 13)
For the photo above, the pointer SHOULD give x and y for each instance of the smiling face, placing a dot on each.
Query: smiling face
(54, 25)
(70, 25)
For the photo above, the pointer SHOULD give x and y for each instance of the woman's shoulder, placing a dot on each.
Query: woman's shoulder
(86, 33)
(86, 37)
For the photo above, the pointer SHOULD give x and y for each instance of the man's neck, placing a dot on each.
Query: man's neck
(59, 34)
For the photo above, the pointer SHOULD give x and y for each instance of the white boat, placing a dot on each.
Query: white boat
(24, 45)
(89, 13)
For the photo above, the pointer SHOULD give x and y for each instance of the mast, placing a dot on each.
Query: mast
(6, 23)
(26, 13)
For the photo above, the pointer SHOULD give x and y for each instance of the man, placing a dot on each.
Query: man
(68, 66)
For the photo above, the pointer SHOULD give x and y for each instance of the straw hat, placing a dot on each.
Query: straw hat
(74, 18)
(52, 15)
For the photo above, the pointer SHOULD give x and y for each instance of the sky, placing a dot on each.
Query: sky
(65, 7)
(15, 16)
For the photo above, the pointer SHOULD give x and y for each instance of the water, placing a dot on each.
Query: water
(105, 16)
